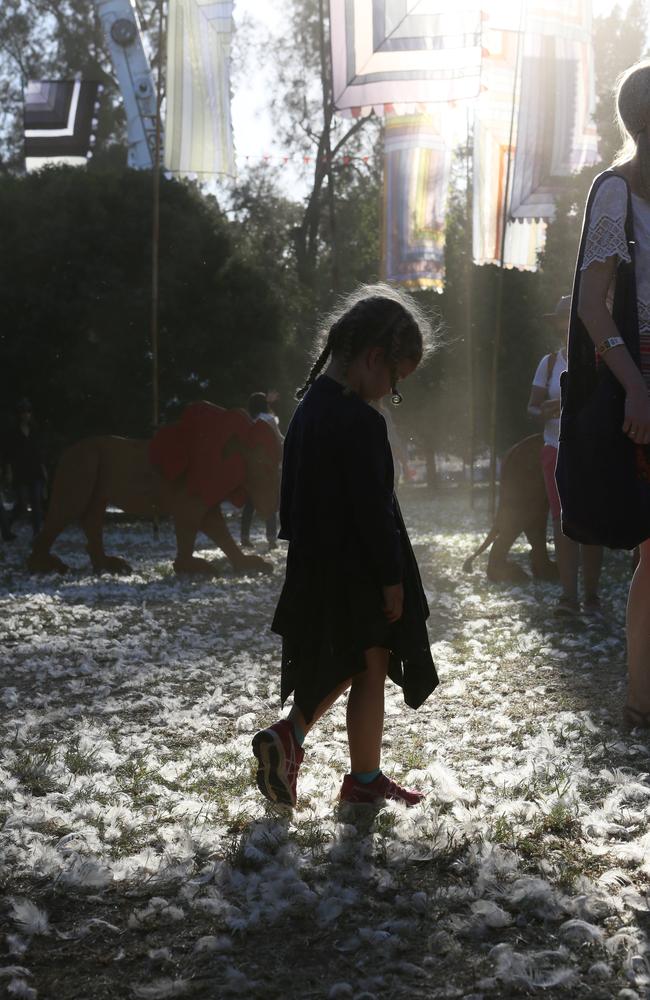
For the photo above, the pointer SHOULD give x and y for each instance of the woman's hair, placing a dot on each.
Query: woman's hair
(257, 403)
(372, 316)
(633, 118)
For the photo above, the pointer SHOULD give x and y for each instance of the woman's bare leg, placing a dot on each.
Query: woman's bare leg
(592, 561)
(566, 556)
(638, 634)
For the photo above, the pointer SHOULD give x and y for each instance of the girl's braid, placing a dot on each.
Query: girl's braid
(317, 367)
(345, 347)
(374, 315)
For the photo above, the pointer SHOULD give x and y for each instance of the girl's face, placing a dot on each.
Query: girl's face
(373, 375)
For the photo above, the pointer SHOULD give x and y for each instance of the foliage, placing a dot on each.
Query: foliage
(75, 301)
(45, 39)
(618, 43)
(86, 279)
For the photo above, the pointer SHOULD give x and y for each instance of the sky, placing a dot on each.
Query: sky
(252, 123)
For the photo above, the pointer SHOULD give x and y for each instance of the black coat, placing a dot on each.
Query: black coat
(347, 540)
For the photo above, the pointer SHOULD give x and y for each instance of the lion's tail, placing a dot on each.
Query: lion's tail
(467, 565)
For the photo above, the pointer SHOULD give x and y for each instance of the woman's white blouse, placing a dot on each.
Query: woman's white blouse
(606, 238)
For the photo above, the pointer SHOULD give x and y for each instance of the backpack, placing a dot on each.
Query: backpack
(604, 499)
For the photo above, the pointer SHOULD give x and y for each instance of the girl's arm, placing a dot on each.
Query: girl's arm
(368, 473)
(592, 310)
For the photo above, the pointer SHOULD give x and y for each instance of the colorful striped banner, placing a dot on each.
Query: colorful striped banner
(391, 55)
(417, 166)
(198, 133)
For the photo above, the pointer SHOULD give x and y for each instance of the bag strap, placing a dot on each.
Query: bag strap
(550, 365)
(625, 310)
(581, 354)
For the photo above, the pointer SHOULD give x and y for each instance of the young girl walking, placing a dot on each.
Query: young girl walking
(352, 610)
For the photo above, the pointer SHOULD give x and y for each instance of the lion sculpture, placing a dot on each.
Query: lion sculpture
(210, 456)
(522, 507)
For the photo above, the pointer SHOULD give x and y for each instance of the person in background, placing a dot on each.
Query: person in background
(544, 405)
(272, 397)
(28, 472)
(5, 530)
(258, 409)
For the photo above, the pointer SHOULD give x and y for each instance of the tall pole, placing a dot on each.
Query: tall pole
(155, 236)
(498, 319)
(327, 122)
(471, 409)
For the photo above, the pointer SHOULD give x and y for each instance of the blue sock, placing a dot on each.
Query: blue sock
(365, 777)
(298, 733)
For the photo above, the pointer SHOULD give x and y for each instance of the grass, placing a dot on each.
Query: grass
(158, 723)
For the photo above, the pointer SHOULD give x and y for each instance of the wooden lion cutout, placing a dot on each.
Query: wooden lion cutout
(210, 456)
(522, 507)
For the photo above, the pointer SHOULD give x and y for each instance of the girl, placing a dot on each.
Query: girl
(352, 609)
(605, 246)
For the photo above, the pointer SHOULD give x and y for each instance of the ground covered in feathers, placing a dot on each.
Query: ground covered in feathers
(139, 860)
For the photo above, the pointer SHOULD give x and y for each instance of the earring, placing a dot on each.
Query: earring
(396, 397)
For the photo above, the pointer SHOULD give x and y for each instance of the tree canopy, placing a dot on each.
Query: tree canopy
(75, 301)
(243, 281)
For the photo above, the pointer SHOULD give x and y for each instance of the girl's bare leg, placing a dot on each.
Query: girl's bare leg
(297, 718)
(365, 712)
(638, 634)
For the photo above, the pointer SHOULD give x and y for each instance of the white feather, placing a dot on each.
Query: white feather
(160, 989)
(29, 918)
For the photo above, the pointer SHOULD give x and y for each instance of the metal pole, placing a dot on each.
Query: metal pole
(155, 252)
(471, 414)
(498, 319)
(155, 236)
(327, 121)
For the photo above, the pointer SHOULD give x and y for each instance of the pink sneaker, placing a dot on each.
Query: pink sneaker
(377, 791)
(280, 756)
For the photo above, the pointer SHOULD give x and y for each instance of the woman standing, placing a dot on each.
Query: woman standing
(544, 405)
(618, 202)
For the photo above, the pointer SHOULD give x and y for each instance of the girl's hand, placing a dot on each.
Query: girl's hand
(393, 602)
(637, 415)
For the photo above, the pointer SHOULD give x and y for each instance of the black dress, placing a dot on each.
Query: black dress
(347, 540)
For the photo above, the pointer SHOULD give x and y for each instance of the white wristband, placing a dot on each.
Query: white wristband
(609, 342)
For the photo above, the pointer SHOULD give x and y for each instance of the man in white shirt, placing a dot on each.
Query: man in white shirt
(258, 409)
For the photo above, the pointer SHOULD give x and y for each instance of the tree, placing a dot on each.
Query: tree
(618, 43)
(74, 301)
(303, 107)
(58, 39)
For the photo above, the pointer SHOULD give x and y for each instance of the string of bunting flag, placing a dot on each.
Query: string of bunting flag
(282, 160)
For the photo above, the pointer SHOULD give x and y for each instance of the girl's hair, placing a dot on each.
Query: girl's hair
(633, 118)
(257, 403)
(372, 316)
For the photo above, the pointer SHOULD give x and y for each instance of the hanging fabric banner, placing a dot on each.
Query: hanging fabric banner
(556, 135)
(391, 55)
(542, 96)
(58, 119)
(417, 165)
(198, 133)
